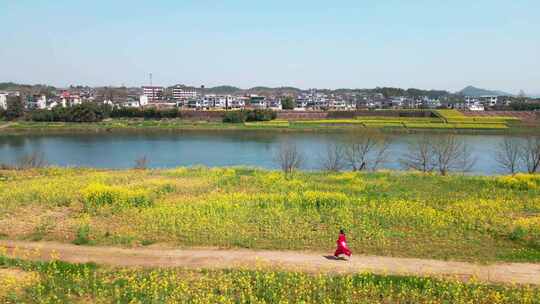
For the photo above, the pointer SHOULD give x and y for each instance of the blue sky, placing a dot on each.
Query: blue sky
(415, 43)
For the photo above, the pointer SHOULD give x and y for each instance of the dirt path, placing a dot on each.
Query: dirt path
(3, 126)
(283, 260)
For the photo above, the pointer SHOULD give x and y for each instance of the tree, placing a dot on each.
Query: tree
(530, 154)
(419, 155)
(288, 157)
(334, 158)
(84, 113)
(15, 108)
(466, 160)
(288, 103)
(390, 92)
(450, 153)
(141, 163)
(366, 152)
(234, 117)
(508, 155)
(30, 161)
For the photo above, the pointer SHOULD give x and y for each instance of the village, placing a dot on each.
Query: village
(200, 98)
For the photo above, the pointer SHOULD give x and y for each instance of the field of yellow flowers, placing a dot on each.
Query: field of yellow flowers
(59, 282)
(456, 217)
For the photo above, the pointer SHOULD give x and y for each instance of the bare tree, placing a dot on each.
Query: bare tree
(450, 153)
(419, 155)
(466, 160)
(33, 160)
(334, 158)
(367, 152)
(508, 155)
(530, 154)
(141, 163)
(288, 157)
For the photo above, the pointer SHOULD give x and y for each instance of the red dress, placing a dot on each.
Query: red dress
(342, 247)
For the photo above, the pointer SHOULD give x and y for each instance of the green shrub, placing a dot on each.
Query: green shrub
(42, 115)
(260, 115)
(85, 112)
(234, 117)
(249, 115)
(83, 235)
(147, 113)
(15, 108)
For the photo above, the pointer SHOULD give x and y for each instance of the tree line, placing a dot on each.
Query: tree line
(440, 154)
(96, 112)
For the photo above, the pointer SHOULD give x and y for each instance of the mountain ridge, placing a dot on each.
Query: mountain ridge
(476, 92)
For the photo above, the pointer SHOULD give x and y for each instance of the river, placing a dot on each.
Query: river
(257, 149)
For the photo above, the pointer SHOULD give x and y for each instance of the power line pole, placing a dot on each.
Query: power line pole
(151, 87)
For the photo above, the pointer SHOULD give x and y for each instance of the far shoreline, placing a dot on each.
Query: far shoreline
(179, 126)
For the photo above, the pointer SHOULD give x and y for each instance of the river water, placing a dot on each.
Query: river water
(257, 149)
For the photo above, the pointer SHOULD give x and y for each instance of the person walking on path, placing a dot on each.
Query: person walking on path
(342, 247)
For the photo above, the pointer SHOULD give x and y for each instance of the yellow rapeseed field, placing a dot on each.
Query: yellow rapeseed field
(387, 213)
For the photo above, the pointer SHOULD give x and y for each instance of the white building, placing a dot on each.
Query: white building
(397, 102)
(197, 103)
(489, 101)
(3, 101)
(470, 104)
(36, 102)
(337, 104)
(153, 92)
(300, 104)
(130, 103)
(257, 102)
(431, 103)
(143, 100)
(275, 104)
(183, 93)
(218, 101)
(239, 102)
(67, 98)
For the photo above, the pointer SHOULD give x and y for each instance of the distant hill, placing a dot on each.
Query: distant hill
(473, 91)
(273, 91)
(260, 90)
(27, 89)
(223, 90)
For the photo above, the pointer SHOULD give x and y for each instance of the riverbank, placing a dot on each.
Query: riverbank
(460, 218)
(334, 125)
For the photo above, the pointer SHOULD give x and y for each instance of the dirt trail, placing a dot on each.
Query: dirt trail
(508, 273)
(6, 125)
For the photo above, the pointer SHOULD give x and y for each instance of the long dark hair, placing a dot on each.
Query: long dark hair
(341, 231)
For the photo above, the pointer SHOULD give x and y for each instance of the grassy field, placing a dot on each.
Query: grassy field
(58, 282)
(448, 120)
(478, 219)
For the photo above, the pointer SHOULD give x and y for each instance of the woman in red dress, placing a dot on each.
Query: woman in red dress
(342, 247)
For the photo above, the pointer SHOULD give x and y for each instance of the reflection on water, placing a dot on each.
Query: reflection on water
(117, 150)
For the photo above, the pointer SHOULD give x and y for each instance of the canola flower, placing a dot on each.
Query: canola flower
(385, 213)
(59, 282)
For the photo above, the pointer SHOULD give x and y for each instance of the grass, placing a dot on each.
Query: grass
(412, 125)
(467, 218)
(445, 120)
(489, 126)
(59, 282)
(328, 122)
(398, 119)
(265, 124)
(382, 124)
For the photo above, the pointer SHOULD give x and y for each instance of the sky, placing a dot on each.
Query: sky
(435, 44)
